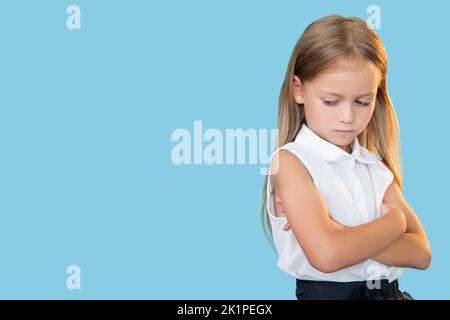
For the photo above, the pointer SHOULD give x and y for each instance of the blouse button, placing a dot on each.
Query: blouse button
(352, 162)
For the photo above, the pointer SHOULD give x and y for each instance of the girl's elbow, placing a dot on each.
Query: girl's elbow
(326, 261)
(425, 260)
(327, 267)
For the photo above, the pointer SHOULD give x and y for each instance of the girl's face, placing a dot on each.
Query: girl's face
(341, 98)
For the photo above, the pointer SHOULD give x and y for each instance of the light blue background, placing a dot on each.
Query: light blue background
(86, 116)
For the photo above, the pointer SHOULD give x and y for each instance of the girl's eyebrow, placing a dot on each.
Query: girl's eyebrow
(340, 96)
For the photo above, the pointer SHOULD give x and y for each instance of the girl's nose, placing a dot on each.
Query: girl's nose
(346, 114)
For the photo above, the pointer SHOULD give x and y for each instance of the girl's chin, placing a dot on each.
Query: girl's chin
(342, 142)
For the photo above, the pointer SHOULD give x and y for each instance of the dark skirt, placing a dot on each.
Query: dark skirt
(354, 290)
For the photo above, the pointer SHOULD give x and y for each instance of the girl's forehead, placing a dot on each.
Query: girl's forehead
(360, 77)
(356, 67)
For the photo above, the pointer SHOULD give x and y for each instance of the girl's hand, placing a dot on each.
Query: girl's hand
(385, 208)
(396, 211)
(280, 212)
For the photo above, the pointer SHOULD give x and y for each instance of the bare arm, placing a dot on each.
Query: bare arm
(328, 249)
(412, 248)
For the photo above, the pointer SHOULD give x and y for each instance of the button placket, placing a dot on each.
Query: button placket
(360, 199)
(357, 189)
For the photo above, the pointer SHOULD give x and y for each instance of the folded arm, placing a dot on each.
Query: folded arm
(412, 249)
(328, 249)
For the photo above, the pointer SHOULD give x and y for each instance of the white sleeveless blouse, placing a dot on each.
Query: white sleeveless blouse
(353, 186)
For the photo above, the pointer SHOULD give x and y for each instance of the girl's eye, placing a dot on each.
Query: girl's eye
(362, 103)
(329, 102)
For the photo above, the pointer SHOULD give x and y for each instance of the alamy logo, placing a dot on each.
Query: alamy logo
(214, 147)
(74, 278)
(375, 273)
(73, 21)
(374, 20)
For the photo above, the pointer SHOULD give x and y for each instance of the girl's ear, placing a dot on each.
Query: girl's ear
(298, 90)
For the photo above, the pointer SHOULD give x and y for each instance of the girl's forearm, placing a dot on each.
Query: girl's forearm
(410, 250)
(349, 246)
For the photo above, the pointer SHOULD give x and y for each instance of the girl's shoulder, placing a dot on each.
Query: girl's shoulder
(293, 155)
(301, 151)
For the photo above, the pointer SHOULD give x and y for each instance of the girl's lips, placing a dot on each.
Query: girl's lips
(344, 132)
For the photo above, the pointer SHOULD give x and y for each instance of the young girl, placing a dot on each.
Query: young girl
(334, 201)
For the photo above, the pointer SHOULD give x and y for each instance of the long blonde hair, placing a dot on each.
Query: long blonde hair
(322, 45)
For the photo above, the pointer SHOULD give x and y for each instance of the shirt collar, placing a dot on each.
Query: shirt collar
(331, 152)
